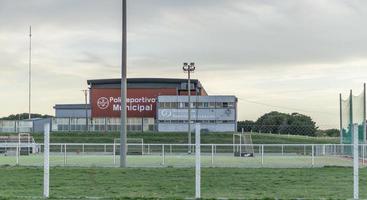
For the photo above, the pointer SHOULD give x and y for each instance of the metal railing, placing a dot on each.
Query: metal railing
(176, 155)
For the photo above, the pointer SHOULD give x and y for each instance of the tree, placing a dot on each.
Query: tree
(246, 125)
(23, 116)
(282, 123)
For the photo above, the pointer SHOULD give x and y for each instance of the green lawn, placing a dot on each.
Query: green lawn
(168, 138)
(178, 183)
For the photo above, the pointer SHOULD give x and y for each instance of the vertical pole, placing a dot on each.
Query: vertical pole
(212, 155)
(64, 154)
(233, 142)
(163, 156)
(46, 161)
(240, 145)
(355, 162)
(123, 89)
(30, 73)
(197, 162)
(17, 154)
(262, 155)
(104, 148)
(282, 149)
(114, 153)
(18, 149)
(189, 109)
(341, 118)
(312, 156)
(86, 109)
(364, 113)
(363, 149)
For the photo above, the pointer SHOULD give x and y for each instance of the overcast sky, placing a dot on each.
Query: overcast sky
(286, 55)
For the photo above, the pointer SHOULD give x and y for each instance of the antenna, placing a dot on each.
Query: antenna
(30, 72)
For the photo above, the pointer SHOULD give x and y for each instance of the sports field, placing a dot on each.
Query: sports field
(178, 183)
(221, 160)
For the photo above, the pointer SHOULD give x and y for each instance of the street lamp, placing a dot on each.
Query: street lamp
(189, 68)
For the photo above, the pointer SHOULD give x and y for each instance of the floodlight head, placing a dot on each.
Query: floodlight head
(189, 67)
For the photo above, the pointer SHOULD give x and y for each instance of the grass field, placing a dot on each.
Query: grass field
(174, 183)
(180, 161)
(181, 138)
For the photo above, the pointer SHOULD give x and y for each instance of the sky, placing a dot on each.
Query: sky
(286, 55)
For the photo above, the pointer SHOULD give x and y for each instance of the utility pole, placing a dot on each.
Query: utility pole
(29, 72)
(189, 68)
(86, 108)
(123, 89)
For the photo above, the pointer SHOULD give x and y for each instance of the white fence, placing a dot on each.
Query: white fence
(176, 155)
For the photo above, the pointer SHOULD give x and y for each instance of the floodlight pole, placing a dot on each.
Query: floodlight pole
(123, 89)
(29, 72)
(189, 68)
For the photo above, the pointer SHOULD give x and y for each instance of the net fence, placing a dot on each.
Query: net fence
(353, 112)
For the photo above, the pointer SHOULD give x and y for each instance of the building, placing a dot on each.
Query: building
(214, 113)
(103, 112)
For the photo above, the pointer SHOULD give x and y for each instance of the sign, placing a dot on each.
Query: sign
(106, 102)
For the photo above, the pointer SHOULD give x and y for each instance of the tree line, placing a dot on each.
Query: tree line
(283, 123)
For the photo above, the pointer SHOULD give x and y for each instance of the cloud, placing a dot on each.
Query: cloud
(287, 53)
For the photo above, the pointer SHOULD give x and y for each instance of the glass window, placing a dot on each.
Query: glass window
(219, 105)
(174, 105)
(225, 104)
(211, 104)
(205, 105)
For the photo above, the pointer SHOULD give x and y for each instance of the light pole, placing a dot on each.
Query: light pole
(123, 114)
(86, 109)
(29, 72)
(189, 68)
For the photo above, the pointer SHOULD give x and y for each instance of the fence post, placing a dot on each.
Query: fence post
(312, 156)
(83, 149)
(363, 146)
(197, 162)
(46, 161)
(282, 149)
(212, 154)
(170, 148)
(114, 153)
(355, 162)
(104, 148)
(262, 155)
(163, 158)
(64, 153)
(148, 149)
(17, 154)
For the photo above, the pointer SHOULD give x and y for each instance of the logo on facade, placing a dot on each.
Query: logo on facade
(103, 103)
(166, 113)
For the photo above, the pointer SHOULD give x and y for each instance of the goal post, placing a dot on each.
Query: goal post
(242, 145)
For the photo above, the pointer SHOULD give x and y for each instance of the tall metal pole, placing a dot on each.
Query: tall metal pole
(364, 113)
(29, 72)
(123, 89)
(351, 114)
(189, 68)
(86, 108)
(341, 118)
(189, 110)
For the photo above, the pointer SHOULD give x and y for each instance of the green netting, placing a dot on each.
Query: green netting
(353, 112)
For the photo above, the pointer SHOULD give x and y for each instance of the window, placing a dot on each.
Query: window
(219, 105)
(205, 105)
(174, 105)
(211, 104)
(225, 104)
